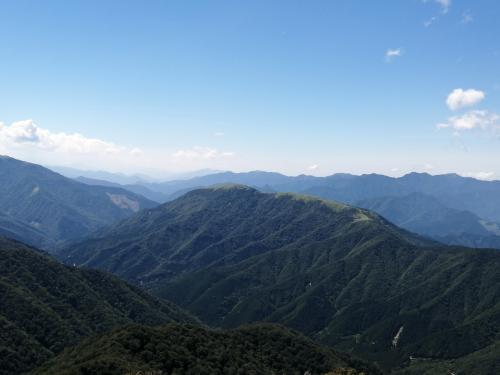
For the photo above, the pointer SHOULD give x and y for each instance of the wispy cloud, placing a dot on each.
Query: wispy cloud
(445, 7)
(391, 54)
(466, 18)
(430, 21)
(471, 120)
(313, 167)
(219, 134)
(199, 152)
(460, 98)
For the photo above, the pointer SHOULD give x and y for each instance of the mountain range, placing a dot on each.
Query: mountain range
(342, 275)
(338, 271)
(129, 179)
(44, 209)
(426, 215)
(463, 211)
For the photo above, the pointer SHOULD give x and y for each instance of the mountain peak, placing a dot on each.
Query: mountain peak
(230, 186)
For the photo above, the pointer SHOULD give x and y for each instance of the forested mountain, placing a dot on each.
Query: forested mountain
(423, 214)
(184, 350)
(18, 230)
(342, 275)
(455, 194)
(482, 198)
(57, 207)
(46, 306)
(220, 225)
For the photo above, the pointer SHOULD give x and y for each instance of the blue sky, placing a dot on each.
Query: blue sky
(313, 87)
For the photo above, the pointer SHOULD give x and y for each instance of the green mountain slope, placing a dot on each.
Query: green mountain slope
(46, 306)
(222, 225)
(467, 196)
(175, 349)
(58, 207)
(345, 276)
(482, 362)
(134, 188)
(20, 231)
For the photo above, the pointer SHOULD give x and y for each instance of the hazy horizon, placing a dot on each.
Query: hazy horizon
(182, 175)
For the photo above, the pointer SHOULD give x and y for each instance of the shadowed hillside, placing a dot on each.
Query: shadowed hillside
(183, 350)
(46, 306)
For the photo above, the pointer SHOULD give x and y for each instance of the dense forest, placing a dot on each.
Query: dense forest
(46, 306)
(192, 350)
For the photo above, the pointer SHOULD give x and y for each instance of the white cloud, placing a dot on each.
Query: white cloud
(198, 152)
(28, 141)
(460, 98)
(390, 54)
(313, 167)
(26, 134)
(430, 21)
(488, 176)
(472, 120)
(219, 134)
(445, 7)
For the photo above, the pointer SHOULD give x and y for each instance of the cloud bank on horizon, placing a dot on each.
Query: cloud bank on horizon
(26, 140)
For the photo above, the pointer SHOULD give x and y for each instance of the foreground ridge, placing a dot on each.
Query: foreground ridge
(183, 349)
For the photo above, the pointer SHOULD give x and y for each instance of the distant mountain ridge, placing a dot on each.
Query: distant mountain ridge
(128, 179)
(56, 207)
(134, 188)
(345, 276)
(484, 196)
(452, 192)
(420, 213)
